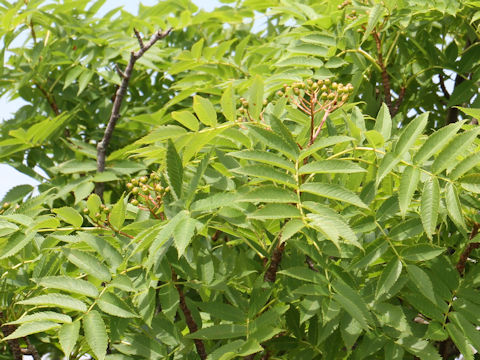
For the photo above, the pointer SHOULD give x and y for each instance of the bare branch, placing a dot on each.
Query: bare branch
(115, 115)
(139, 38)
(119, 71)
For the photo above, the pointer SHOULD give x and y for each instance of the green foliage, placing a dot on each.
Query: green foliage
(301, 190)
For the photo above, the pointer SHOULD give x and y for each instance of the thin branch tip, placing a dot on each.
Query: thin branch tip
(139, 38)
(120, 72)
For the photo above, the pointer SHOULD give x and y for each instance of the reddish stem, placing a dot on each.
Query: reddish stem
(271, 273)
(470, 247)
(385, 78)
(192, 325)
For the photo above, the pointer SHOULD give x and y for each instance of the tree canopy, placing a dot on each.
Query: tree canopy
(272, 179)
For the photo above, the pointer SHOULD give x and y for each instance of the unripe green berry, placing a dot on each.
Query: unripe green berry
(145, 188)
(6, 205)
(135, 190)
(98, 215)
(158, 187)
(334, 86)
(134, 181)
(344, 97)
(279, 93)
(324, 88)
(134, 202)
(309, 82)
(327, 82)
(324, 96)
(331, 96)
(129, 186)
(143, 179)
(85, 210)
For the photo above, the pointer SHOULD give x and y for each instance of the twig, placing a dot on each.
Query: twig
(192, 325)
(401, 96)
(120, 73)
(32, 349)
(314, 137)
(50, 99)
(271, 273)
(115, 115)
(442, 86)
(32, 30)
(139, 38)
(470, 247)
(452, 114)
(385, 78)
(110, 228)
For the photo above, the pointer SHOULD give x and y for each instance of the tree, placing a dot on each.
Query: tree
(300, 189)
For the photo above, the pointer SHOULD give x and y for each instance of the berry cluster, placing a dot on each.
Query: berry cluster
(344, 4)
(353, 13)
(314, 96)
(4, 207)
(243, 110)
(99, 217)
(147, 193)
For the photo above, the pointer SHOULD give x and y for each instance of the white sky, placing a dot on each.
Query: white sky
(9, 176)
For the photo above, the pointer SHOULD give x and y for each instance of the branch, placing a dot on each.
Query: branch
(271, 273)
(12, 344)
(192, 325)
(121, 91)
(452, 114)
(401, 96)
(314, 137)
(442, 86)
(385, 78)
(470, 247)
(32, 349)
(139, 38)
(49, 97)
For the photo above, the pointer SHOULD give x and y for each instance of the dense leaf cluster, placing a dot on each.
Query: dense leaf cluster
(286, 180)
